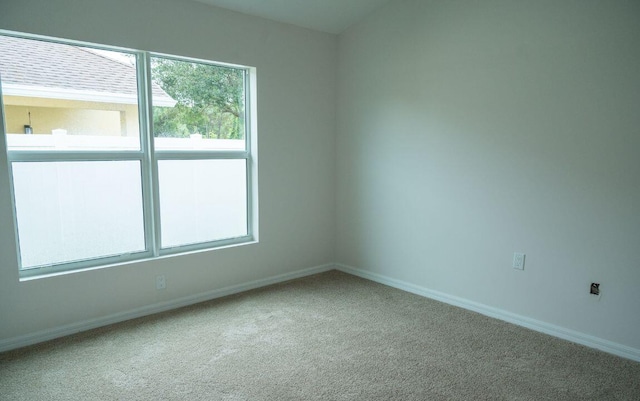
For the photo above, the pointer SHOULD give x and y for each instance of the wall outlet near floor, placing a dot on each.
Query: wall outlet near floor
(518, 260)
(161, 284)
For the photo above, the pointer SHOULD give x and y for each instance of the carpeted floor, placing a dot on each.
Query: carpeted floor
(327, 337)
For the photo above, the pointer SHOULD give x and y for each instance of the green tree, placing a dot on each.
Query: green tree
(210, 100)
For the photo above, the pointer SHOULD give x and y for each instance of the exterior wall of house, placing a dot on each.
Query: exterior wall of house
(77, 117)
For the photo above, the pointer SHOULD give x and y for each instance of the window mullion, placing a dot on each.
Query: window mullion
(248, 132)
(149, 165)
(200, 155)
(63, 156)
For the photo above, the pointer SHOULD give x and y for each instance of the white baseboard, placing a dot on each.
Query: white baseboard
(536, 325)
(61, 331)
(553, 330)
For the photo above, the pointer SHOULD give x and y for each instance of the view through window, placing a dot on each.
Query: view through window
(106, 169)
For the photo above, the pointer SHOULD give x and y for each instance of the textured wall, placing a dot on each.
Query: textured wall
(468, 130)
(296, 114)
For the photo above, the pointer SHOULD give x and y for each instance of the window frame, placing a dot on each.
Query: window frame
(148, 158)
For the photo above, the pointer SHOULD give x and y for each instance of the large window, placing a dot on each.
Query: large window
(118, 155)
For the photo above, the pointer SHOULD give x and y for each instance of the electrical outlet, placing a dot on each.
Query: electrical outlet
(518, 261)
(161, 284)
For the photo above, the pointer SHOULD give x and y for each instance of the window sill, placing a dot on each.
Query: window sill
(33, 274)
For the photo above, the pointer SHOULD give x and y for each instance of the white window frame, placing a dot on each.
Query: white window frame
(148, 158)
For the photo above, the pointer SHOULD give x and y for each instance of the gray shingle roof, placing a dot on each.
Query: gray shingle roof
(54, 65)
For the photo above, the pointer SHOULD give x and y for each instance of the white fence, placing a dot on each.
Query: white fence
(78, 210)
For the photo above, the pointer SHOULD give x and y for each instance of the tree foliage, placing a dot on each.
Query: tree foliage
(210, 100)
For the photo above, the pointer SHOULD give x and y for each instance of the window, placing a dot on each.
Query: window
(118, 155)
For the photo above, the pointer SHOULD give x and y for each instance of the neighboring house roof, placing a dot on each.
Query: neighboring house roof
(35, 68)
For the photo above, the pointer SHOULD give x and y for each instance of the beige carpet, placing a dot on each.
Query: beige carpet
(325, 337)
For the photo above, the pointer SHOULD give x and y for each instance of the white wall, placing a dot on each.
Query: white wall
(468, 130)
(296, 124)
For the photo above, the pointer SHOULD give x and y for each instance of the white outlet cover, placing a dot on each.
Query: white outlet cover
(518, 260)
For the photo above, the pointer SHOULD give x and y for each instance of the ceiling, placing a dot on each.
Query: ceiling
(332, 16)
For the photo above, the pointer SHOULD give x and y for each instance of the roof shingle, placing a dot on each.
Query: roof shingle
(54, 65)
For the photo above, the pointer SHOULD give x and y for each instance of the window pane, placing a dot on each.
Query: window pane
(63, 97)
(209, 107)
(70, 211)
(202, 200)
